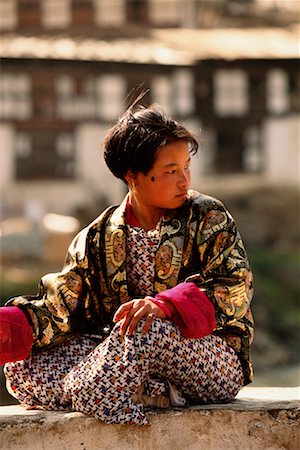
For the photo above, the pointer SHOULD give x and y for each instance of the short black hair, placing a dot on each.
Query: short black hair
(132, 144)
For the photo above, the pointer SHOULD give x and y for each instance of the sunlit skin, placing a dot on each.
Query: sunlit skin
(165, 186)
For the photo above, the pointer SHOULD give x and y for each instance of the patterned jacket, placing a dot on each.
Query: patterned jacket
(199, 243)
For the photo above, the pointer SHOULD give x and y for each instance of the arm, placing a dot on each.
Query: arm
(218, 294)
(15, 335)
(189, 309)
(224, 276)
(56, 312)
(184, 304)
(196, 305)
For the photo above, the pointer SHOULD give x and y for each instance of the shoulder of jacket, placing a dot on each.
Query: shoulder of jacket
(198, 200)
(90, 230)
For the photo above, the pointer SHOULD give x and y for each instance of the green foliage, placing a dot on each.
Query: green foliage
(10, 288)
(276, 305)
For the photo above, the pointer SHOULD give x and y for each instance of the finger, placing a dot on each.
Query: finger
(127, 319)
(148, 323)
(122, 311)
(124, 324)
(135, 318)
(121, 329)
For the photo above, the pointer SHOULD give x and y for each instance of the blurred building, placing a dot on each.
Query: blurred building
(68, 66)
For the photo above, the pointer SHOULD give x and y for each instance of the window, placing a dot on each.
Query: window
(252, 154)
(109, 12)
(110, 93)
(278, 100)
(64, 155)
(23, 146)
(279, 5)
(137, 11)
(295, 91)
(161, 92)
(230, 93)
(174, 92)
(64, 86)
(208, 150)
(102, 97)
(8, 14)
(184, 92)
(44, 154)
(56, 13)
(229, 147)
(72, 106)
(164, 12)
(15, 96)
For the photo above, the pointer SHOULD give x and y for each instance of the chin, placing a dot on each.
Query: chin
(178, 202)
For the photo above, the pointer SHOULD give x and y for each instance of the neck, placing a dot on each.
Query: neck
(147, 216)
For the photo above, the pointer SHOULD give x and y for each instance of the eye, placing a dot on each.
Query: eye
(171, 172)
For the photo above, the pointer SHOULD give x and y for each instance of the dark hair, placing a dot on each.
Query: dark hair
(132, 144)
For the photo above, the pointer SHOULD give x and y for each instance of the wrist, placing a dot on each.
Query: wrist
(163, 307)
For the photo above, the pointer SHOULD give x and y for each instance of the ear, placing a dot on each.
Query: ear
(130, 178)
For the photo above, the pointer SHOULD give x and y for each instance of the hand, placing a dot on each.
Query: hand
(132, 312)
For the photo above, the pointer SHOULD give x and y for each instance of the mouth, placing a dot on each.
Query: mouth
(182, 195)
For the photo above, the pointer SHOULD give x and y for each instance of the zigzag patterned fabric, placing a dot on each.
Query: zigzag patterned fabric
(103, 381)
(140, 263)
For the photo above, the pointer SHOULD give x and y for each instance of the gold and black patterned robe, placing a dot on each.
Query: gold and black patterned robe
(199, 243)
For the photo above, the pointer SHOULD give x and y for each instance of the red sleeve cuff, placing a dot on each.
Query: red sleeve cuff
(196, 313)
(162, 306)
(15, 335)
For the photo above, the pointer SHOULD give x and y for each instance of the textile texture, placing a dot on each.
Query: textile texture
(140, 262)
(103, 380)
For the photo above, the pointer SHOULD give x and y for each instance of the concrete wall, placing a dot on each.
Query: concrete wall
(261, 418)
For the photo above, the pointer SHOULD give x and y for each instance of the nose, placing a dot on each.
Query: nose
(184, 179)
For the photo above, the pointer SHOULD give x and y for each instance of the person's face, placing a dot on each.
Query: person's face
(166, 184)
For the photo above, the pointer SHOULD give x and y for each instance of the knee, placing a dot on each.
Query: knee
(160, 329)
(155, 327)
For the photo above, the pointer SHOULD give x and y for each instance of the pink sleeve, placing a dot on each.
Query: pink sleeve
(195, 313)
(15, 335)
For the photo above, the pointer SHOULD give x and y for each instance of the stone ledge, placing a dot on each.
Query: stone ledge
(260, 418)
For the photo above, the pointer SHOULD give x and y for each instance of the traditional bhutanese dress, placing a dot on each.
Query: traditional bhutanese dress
(80, 362)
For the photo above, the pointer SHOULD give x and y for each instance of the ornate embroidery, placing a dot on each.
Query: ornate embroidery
(167, 259)
(214, 221)
(115, 247)
(118, 278)
(159, 287)
(47, 332)
(233, 300)
(191, 230)
(171, 229)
